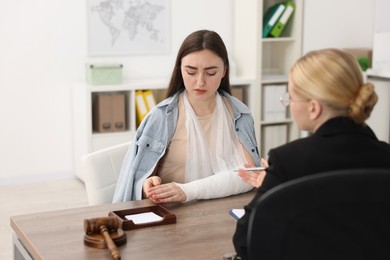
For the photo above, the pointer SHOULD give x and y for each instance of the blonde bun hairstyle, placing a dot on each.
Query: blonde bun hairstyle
(334, 77)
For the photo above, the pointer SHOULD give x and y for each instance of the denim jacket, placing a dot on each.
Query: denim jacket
(154, 135)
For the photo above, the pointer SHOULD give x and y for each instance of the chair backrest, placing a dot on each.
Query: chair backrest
(333, 215)
(101, 172)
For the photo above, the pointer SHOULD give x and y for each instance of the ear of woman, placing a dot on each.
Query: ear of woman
(315, 109)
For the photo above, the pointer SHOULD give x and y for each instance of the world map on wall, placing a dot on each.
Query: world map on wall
(128, 27)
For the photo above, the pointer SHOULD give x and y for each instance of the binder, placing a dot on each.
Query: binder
(102, 119)
(273, 136)
(140, 106)
(271, 17)
(109, 113)
(272, 109)
(283, 20)
(239, 93)
(149, 99)
(118, 112)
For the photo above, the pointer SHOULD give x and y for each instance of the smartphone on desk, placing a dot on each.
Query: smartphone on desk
(237, 213)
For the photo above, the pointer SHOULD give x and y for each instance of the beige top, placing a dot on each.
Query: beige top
(172, 165)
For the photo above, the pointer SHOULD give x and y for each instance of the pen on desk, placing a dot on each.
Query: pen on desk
(251, 169)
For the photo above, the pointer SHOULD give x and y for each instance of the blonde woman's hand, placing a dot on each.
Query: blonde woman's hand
(254, 178)
(168, 192)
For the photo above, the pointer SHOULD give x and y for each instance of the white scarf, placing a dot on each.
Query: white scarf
(223, 154)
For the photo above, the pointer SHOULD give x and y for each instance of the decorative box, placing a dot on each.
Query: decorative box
(104, 74)
(167, 217)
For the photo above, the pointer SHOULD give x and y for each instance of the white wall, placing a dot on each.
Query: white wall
(42, 48)
(338, 24)
(43, 52)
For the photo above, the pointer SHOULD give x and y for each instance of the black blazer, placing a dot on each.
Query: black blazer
(338, 144)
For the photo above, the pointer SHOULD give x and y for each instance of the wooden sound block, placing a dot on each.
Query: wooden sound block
(97, 240)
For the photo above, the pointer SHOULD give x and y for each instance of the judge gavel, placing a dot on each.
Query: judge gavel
(104, 226)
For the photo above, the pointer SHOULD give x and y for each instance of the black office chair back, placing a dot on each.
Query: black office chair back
(333, 215)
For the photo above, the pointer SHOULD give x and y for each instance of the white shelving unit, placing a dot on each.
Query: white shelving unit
(87, 141)
(268, 61)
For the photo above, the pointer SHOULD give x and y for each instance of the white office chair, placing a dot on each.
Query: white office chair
(101, 171)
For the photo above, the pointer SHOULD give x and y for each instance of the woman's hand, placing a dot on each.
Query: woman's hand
(254, 178)
(149, 183)
(168, 192)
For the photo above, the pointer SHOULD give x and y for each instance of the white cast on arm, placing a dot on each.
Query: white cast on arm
(215, 186)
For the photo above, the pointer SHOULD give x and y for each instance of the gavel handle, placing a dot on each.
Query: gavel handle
(110, 244)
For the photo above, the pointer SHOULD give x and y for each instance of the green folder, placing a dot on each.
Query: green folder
(277, 30)
(271, 17)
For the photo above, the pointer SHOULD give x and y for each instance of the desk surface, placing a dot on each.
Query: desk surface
(204, 230)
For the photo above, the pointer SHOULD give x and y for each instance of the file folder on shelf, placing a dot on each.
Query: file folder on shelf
(140, 106)
(102, 113)
(118, 112)
(109, 113)
(272, 109)
(149, 99)
(283, 20)
(273, 136)
(271, 17)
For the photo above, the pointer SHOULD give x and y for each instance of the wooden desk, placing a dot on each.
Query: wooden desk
(204, 230)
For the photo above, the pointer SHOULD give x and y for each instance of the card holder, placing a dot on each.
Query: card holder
(167, 217)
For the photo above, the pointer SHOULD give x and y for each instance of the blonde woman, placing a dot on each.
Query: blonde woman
(327, 97)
